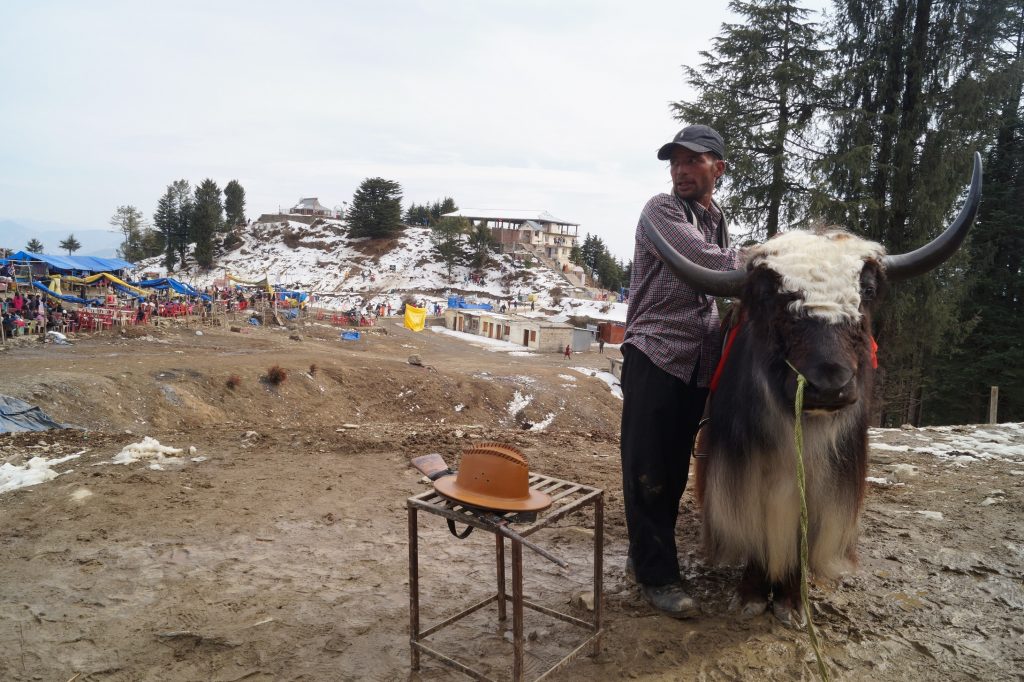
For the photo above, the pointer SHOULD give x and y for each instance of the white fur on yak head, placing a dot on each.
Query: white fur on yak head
(825, 275)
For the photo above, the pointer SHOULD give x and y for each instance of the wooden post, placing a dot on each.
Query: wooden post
(993, 406)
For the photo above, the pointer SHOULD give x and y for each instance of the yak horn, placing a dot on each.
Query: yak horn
(704, 280)
(937, 251)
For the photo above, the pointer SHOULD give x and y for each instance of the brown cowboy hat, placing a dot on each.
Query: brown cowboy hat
(493, 476)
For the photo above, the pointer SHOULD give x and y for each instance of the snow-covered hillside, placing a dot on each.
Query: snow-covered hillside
(345, 272)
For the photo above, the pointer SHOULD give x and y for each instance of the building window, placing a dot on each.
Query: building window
(533, 336)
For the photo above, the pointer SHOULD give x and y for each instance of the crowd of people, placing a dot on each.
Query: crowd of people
(38, 313)
(22, 314)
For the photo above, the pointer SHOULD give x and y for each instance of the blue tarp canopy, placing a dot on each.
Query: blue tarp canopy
(460, 302)
(297, 295)
(67, 298)
(165, 283)
(91, 264)
(128, 292)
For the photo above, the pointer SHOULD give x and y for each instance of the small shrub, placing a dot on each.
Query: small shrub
(234, 381)
(276, 375)
(232, 241)
(312, 370)
(291, 239)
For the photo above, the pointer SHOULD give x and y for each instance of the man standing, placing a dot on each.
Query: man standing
(669, 355)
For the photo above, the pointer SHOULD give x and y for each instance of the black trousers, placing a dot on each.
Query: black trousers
(660, 416)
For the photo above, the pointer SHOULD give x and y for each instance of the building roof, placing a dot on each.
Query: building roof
(511, 215)
(310, 204)
(82, 263)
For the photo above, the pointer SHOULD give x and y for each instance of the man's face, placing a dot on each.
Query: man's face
(694, 173)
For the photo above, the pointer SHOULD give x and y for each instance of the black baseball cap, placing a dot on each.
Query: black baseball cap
(698, 138)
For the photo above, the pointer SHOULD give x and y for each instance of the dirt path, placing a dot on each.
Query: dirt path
(283, 555)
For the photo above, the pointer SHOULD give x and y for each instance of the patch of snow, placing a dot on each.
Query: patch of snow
(933, 515)
(518, 403)
(480, 341)
(148, 448)
(960, 445)
(606, 377)
(35, 471)
(460, 407)
(545, 423)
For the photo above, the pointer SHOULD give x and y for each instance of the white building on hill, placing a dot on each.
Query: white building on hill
(531, 231)
(311, 206)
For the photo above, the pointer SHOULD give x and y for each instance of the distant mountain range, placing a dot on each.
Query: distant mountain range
(15, 234)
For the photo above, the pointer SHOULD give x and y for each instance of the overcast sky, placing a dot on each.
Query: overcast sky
(500, 104)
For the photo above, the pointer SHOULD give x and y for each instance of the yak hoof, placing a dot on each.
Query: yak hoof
(749, 607)
(788, 615)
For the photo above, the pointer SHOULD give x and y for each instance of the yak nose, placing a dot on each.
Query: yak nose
(830, 384)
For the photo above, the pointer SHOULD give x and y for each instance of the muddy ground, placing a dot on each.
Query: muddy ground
(283, 555)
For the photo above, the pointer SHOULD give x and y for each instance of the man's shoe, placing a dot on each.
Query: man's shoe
(671, 599)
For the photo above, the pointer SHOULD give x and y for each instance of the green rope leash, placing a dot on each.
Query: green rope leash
(801, 381)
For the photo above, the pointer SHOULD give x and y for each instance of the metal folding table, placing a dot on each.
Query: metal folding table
(567, 497)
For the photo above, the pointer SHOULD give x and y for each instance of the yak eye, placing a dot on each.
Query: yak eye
(867, 285)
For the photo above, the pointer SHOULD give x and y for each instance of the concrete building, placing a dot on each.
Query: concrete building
(527, 231)
(311, 206)
(532, 333)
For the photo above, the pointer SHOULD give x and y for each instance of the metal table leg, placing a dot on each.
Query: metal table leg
(500, 558)
(414, 590)
(517, 611)
(598, 570)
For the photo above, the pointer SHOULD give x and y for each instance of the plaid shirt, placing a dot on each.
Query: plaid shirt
(670, 323)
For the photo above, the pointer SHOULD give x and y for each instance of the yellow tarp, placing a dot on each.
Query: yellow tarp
(105, 275)
(415, 318)
(263, 283)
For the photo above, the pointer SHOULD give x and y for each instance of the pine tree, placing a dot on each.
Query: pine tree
(34, 246)
(129, 221)
(376, 209)
(70, 244)
(177, 240)
(417, 215)
(165, 219)
(429, 214)
(152, 243)
(446, 236)
(913, 97)
(593, 255)
(481, 241)
(576, 254)
(759, 88)
(234, 205)
(207, 221)
(992, 353)
(439, 208)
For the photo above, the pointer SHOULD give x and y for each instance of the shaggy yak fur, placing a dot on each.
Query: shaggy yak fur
(807, 302)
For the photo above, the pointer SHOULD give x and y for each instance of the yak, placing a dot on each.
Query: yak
(805, 304)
